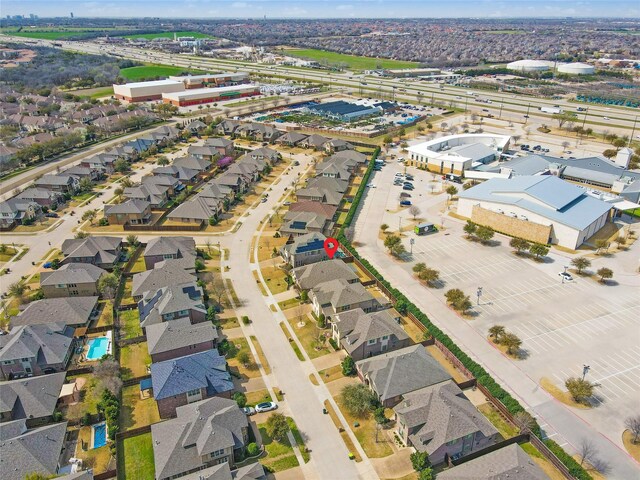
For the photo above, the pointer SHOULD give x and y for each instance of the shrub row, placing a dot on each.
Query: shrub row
(360, 192)
(476, 370)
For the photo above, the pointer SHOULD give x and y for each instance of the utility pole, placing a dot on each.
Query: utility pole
(501, 105)
(526, 117)
(584, 120)
(633, 130)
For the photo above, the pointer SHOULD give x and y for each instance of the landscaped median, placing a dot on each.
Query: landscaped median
(482, 376)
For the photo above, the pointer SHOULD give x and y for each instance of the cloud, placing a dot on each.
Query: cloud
(343, 8)
(239, 5)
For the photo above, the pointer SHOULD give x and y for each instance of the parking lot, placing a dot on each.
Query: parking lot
(563, 326)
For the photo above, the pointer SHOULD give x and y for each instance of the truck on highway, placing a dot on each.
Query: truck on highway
(552, 110)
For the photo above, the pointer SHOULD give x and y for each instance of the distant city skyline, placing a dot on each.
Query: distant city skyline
(205, 9)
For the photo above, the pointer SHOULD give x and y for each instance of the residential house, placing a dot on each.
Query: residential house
(195, 126)
(363, 335)
(314, 141)
(164, 274)
(31, 399)
(216, 192)
(203, 435)
(103, 163)
(36, 450)
(305, 249)
(394, 374)
(328, 211)
(258, 132)
(336, 145)
(156, 195)
(72, 311)
(129, 212)
(59, 183)
(222, 471)
(15, 211)
(7, 153)
(266, 154)
(291, 139)
(223, 146)
(184, 380)
(81, 172)
(333, 170)
(301, 223)
(166, 248)
(198, 210)
(236, 182)
(323, 190)
(203, 152)
(227, 127)
(441, 421)
(172, 184)
(510, 462)
(41, 196)
(179, 338)
(187, 176)
(172, 302)
(309, 276)
(352, 157)
(336, 296)
(103, 252)
(71, 280)
(247, 169)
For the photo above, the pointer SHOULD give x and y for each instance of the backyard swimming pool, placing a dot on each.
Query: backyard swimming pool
(99, 435)
(98, 347)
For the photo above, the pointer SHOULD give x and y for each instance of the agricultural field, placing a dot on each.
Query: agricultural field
(352, 61)
(152, 71)
(151, 36)
(49, 33)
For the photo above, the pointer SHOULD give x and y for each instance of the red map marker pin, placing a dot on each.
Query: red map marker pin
(331, 246)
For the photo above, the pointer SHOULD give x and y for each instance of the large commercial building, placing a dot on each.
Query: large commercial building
(212, 79)
(146, 91)
(343, 111)
(529, 66)
(199, 96)
(424, 73)
(453, 154)
(543, 209)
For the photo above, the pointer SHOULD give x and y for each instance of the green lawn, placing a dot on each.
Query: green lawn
(134, 359)
(130, 323)
(151, 36)
(138, 458)
(280, 455)
(152, 71)
(299, 439)
(52, 35)
(354, 62)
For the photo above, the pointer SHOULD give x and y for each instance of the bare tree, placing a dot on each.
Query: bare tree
(217, 289)
(414, 211)
(564, 144)
(587, 450)
(108, 374)
(633, 425)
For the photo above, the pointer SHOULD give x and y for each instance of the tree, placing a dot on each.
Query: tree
(253, 449)
(429, 276)
(451, 191)
(453, 295)
(587, 450)
(243, 357)
(162, 161)
(126, 182)
(132, 240)
(387, 140)
(609, 152)
(199, 265)
(107, 371)
(426, 474)
(217, 289)
(358, 400)
(121, 165)
(420, 461)
(89, 215)
(621, 240)
(516, 139)
(394, 244)
(17, 290)
(520, 245)
(401, 307)
(579, 389)
(581, 263)
(418, 267)
(348, 366)
(619, 143)
(563, 118)
(604, 273)
(539, 250)
(108, 284)
(85, 184)
(511, 341)
(240, 398)
(565, 144)
(600, 244)
(414, 211)
(277, 426)
(484, 233)
(633, 425)
(496, 332)
(463, 304)
(384, 227)
(524, 421)
(470, 228)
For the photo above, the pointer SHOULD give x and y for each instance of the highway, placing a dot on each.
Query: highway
(503, 105)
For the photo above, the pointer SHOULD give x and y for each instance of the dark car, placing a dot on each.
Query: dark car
(51, 215)
(407, 187)
(405, 203)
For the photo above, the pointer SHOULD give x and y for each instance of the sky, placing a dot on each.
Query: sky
(324, 8)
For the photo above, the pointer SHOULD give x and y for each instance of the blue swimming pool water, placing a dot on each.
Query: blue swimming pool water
(97, 348)
(99, 435)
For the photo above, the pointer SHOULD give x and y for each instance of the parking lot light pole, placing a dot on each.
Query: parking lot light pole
(411, 242)
(479, 294)
(585, 370)
(564, 273)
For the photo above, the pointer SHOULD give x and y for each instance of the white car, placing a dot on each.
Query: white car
(266, 407)
(606, 118)
(371, 185)
(248, 411)
(399, 175)
(566, 276)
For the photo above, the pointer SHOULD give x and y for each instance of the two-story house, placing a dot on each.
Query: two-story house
(32, 399)
(16, 211)
(308, 276)
(305, 249)
(71, 280)
(223, 146)
(104, 252)
(337, 296)
(58, 183)
(172, 302)
(179, 338)
(169, 248)
(129, 212)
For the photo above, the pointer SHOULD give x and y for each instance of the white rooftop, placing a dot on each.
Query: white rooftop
(194, 92)
(153, 83)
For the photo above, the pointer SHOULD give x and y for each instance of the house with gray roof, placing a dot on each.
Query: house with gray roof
(202, 435)
(16, 211)
(258, 132)
(441, 421)
(103, 252)
(314, 141)
(103, 162)
(156, 195)
(336, 296)
(58, 182)
(72, 311)
(172, 184)
(189, 379)
(169, 248)
(84, 172)
(330, 169)
(291, 139)
(71, 280)
(510, 462)
(223, 146)
(32, 399)
(130, 212)
(179, 338)
(543, 209)
(164, 274)
(36, 450)
(227, 127)
(309, 276)
(363, 335)
(83, 475)
(198, 210)
(336, 145)
(41, 196)
(36, 350)
(222, 471)
(172, 302)
(305, 249)
(186, 176)
(301, 223)
(394, 374)
(198, 159)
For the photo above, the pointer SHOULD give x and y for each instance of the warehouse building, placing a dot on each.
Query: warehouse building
(343, 111)
(453, 154)
(212, 79)
(542, 209)
(198, 96)
(146, 91)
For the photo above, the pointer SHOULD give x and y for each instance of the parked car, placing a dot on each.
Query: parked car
(51, 215)
(405, 203)
(248, 411)
(398, 175)
(409, 177)
(566, 276)
(371, 185)
(266, 407)
(407, 187)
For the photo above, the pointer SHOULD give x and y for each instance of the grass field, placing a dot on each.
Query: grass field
(151, 36)
(354, 62)
(152, 71)
(49, 34)
(137, 458)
